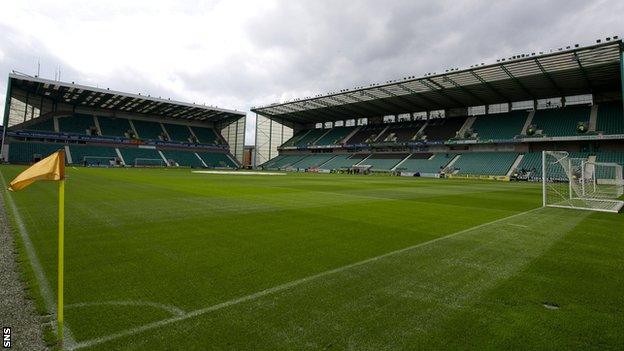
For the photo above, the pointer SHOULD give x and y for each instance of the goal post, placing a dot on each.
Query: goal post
(149, 162)
(581, 183)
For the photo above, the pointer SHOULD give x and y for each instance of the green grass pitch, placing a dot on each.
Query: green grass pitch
(168, 259)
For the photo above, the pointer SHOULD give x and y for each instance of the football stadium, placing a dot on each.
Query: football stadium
(478, 208)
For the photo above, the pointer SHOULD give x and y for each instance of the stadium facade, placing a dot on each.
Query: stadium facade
(104, 127)
(485, 121)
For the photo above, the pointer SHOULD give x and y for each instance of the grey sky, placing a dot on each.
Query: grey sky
(238, 54)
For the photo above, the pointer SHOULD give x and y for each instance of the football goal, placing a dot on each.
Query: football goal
(149, 162)
(581, 183)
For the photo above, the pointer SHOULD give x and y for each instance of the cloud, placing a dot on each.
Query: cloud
(238, 54)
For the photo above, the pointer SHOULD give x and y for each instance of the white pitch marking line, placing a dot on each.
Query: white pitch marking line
(240, 173)
(44, 287)
(169, 308)
(278, 288)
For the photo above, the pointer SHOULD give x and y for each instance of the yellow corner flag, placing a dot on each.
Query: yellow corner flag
(50, 168)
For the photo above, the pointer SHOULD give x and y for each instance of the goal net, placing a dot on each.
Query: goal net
(581, 183)
(149, 162)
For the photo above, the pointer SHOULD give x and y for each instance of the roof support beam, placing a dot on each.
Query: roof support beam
(518, 82)
(407, 103)
(432, 85)
(549, 77)
(489, 86)
(583, 72)
(366, 108)
(395, 105)
(415, 93)
(327, 106)
(464, 90)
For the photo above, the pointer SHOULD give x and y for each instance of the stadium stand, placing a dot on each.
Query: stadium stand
(308, 138)
(531, 164)
(313, 160)
(286, 161)
(206, 135)
(385, 161)
(182, 158)
(499, 126)
(366, 134)
(426, 162)
(610, 118)
(485, 163)
(114, 126)
(141, 156)
(29, 152)
(78, 123)
(334, 136)
(148, 130)
(402, 132)
(340, 161)
(217, 160)
(560, 121)
(46, 125)
(442, 129)
(92, 155)
(610, 156)
(178, 132)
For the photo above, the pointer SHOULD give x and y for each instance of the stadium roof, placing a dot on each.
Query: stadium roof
(90, 97)
(575, 71)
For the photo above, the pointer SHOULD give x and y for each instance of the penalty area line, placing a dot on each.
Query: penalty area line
(282, 287)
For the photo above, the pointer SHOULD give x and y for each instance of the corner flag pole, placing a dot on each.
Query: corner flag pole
(50, 168)
(61, 240)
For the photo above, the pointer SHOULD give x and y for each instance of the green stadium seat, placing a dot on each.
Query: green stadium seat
(207, 135)
(92, 155)
(334, 136)
(313, 160)
(341, 161)
(28, 152)
(610, 119)
(384, 162)
(309, 138)
(561, 121)
(532, 164)
(427, 163)
(178, 132)
(78, 123)
(141, 156)
(500, 126)
(46, 125)
(485, 163)
(148, 130)
(183, 158)
(217, 159)
(114, 126)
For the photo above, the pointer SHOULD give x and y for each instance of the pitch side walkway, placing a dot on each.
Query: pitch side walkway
(16, 311)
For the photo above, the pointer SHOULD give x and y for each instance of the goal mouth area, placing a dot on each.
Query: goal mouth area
(600, 205)
(581, 183)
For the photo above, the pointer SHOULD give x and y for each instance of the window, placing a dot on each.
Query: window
(580, 99)
(522, 105)
(499, 108)
(476, 110)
